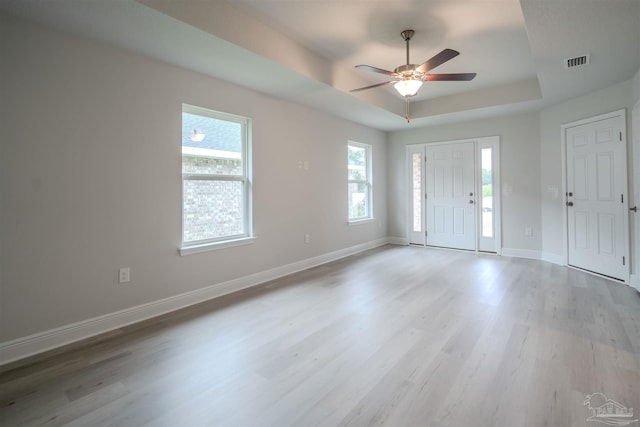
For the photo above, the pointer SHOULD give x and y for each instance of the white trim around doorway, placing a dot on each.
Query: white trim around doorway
(492, 142)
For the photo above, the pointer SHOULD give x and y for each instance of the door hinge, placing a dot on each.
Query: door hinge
(425, 195)
(623, 260)
(620, 136)
(622, 198)
(425, 233)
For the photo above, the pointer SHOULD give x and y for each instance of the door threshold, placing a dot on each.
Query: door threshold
(444, 248)
(451, 249)
(595, 273)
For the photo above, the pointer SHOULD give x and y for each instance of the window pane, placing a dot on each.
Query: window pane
(210, 165)
(212, 209)
(359, 176)
(358, 200)
(416, 166)
(487, 193)
(211, 146)
(357, 155)
(357, 162)
(357, 173)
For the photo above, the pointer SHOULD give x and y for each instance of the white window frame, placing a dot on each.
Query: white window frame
(368, 181)
(246, 236)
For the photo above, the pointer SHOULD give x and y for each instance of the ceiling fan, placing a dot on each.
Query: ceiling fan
(408, 78)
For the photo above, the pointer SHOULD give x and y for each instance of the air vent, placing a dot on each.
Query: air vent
(578, 61)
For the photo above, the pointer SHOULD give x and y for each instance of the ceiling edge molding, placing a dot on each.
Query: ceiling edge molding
(510, 93)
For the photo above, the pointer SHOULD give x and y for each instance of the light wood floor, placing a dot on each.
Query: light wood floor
(395, 336)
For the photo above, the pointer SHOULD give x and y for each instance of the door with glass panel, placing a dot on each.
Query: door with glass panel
(454, 194)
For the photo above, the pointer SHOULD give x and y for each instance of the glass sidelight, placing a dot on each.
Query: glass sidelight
(416, 193)
(487, 192)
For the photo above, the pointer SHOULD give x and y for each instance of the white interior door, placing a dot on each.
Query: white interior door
(450, 202)
(596, 197)
(635, 212)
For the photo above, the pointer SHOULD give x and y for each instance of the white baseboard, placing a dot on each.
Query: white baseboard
(634, 280)
(402, 241)
(37, 343)
(521, 253)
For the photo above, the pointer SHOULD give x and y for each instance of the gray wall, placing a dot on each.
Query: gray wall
(520, 169)
(91, 180)
(636, 87)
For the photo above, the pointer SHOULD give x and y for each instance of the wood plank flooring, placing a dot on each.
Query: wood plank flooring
(394, 336)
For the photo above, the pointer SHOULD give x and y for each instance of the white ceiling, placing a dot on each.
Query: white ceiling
(305, 50)
(368, 32)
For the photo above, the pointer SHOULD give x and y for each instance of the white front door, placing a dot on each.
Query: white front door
(596, 193)
(451, 198)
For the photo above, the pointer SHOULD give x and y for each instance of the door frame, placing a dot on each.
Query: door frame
(634, 279)
(492, 142)
(625, 218)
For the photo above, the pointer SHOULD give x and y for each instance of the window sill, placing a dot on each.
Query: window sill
(206, 247)
(360, 221)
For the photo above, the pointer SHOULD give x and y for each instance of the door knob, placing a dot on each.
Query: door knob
(470, 201)
(635, 209)
(569, 203)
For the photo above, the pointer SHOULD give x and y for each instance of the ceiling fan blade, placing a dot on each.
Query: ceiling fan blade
(455, 77)
(437, 60)
(372, 86)
(377, 70)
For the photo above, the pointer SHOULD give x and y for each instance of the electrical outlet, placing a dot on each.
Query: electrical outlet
(528, 231)
(124, 275)
(307, 238)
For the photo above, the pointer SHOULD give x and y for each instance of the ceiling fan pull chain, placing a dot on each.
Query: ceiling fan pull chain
(406, 116)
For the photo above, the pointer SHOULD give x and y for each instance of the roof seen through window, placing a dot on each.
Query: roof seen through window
(220, 135)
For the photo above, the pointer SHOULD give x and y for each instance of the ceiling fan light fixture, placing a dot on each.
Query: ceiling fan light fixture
(408, 87)
(197, 135)
(408, 78)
